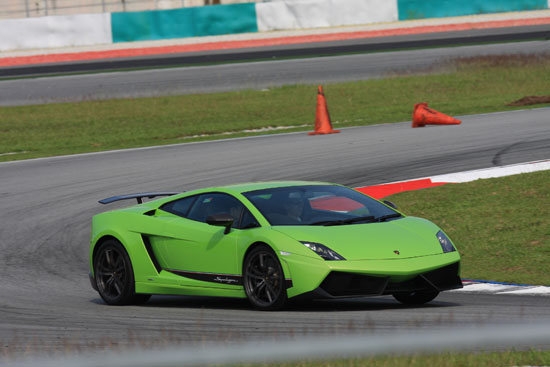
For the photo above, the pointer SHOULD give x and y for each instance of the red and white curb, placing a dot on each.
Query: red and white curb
(383, 190)
(470, 286)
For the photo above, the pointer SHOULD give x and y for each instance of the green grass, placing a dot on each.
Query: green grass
(461, 87)
(482, 359)
(501, 225)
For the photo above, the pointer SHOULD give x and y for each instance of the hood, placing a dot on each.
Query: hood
(407, 237)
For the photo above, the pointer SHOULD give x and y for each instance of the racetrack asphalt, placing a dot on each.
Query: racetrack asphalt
(48, 305)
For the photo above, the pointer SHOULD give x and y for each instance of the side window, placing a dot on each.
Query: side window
(179, 207)
(247, 221)
(218, 203)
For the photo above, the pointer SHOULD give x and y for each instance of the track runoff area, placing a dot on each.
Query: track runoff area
(470, 285)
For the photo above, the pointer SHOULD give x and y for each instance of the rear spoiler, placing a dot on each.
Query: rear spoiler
(139, 197)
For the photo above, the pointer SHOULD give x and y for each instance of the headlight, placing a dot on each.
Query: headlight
(445, 242)
(322, 251)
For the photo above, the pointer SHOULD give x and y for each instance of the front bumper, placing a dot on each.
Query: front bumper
(372, 277)
(341, 284)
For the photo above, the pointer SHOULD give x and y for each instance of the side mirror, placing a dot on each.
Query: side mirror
(389, 203)
(221, 220)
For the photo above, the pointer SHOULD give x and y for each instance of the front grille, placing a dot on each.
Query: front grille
(338, 284)
(444, 278)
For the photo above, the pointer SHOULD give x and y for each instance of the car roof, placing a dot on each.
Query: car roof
(252, 186)
(233, 189)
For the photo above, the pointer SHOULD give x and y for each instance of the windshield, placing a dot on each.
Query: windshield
(318, 205)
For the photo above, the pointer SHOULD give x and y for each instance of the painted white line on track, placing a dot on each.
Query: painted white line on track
(540, 290)
(493, 172)
(483, 288)
(498, 288)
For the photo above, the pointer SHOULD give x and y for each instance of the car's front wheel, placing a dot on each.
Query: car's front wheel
(263, 278)
(416, 298)
(114, 275)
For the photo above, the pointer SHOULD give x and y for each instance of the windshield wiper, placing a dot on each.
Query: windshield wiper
(369, 218)
(388, 216)
(340, 222)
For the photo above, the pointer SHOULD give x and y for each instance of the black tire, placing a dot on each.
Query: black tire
(264, 280)
(415, 298)
(114, 275)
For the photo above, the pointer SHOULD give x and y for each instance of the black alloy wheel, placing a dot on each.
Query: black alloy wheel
(264, 281)
(114, 275)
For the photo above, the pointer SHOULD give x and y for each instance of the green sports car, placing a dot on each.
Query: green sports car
(270, 242)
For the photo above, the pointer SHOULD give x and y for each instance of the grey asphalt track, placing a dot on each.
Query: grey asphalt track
(252, 75)
(47, 303)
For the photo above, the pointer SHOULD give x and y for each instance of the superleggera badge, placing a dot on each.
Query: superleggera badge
(225, 280)
(396, 252)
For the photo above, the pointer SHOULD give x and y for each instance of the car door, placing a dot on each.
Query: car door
(193, 248)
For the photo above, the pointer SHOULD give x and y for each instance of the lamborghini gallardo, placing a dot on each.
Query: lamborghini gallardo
(268, 242)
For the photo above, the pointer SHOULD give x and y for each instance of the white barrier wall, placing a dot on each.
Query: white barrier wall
(96, 29)
(55, 31)
(300, 14)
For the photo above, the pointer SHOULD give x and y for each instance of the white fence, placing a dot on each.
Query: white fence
(41, 8)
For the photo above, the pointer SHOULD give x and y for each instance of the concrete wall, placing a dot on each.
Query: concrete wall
(300, 14)
(419, 9)
(55, 31)
(105, 28)
(184, 22)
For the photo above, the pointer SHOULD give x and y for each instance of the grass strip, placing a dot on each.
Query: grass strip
(461, 87)
(480, 359)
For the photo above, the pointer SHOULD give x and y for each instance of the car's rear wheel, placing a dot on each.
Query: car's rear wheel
(114, 275)
(264, 281)
(416, 298)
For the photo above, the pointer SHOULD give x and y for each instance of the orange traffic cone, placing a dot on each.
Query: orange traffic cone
(322, 117)
(423, 115)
